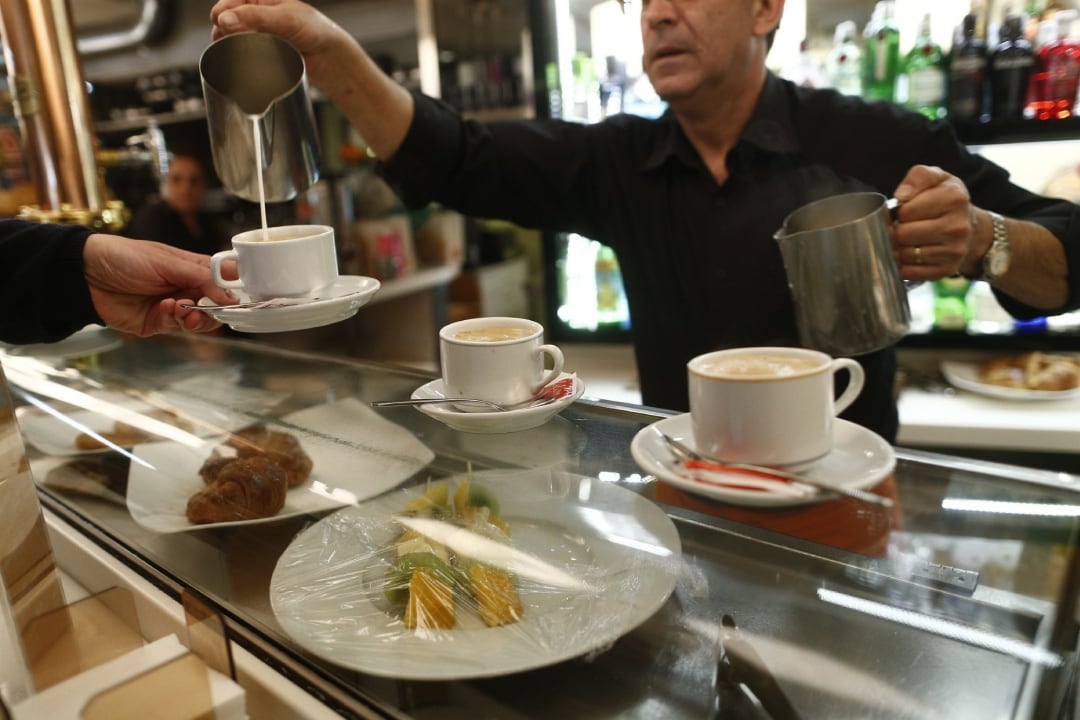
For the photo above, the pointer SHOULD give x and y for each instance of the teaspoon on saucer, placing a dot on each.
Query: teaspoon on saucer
(257, 304)
(497, 407)
(685, 452)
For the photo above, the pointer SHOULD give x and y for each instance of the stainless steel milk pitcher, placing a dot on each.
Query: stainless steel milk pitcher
(848, 294)
(251, 78)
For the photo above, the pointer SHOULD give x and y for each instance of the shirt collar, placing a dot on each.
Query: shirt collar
(770, 129)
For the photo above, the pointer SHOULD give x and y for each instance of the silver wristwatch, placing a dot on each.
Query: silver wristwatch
(995, 262)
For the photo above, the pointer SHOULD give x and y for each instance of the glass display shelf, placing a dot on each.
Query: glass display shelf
(958, 602)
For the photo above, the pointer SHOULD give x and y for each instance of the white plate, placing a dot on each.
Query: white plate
(493, 422)
(56, 434)
(90, 340)
(339, 302)
(966, 377)
(356, 455)
(327, 588)
(859, 459)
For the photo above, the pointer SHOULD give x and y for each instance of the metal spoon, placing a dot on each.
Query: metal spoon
(497, 407)
(683, 450)
(255, 304)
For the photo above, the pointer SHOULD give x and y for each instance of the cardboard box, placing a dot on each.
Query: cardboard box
(441, 240)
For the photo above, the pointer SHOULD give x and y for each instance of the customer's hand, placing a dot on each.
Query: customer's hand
(297, 23)
(936, 224)
(138, 286)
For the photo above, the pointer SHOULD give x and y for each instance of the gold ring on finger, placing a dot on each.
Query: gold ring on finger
(918, 255)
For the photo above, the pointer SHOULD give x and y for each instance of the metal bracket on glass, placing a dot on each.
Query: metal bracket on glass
(945, 575)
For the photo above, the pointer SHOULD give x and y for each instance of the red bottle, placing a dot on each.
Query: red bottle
(1057, 76)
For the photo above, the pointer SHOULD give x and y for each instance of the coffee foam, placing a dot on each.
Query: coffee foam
(498, 333)
(758, 366)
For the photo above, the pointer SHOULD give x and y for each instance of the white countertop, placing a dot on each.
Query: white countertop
(957, 418)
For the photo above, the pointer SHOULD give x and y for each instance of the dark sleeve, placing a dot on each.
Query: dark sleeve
(42, 282)
(893, 140)
(536, 173)
(991, 189)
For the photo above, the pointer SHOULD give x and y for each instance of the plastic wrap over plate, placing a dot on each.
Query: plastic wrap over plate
(477, 575)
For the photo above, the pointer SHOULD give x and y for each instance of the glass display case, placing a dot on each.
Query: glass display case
(637, 597)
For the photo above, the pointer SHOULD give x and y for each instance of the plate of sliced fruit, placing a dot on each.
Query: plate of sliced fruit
(477, 575)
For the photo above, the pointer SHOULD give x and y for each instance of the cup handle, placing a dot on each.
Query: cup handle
(856, 379)
(215, 269)
(557, 359)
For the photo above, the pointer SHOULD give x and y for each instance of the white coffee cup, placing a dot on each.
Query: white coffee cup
(296, 260)
(767, 405)
(500, 359)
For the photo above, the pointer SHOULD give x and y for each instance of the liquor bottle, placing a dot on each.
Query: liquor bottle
(968, 81)
(1035, 105)
(881, 61)
(1010, 70)
(1059, 62)
(843, 65)
(951, 309)
(924, 74)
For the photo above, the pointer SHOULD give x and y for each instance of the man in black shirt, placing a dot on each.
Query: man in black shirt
(690, 201)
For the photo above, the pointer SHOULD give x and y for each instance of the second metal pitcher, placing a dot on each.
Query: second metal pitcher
(848, 294)
(254, 79)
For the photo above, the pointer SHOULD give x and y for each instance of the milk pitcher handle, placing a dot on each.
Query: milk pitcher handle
(893, 205)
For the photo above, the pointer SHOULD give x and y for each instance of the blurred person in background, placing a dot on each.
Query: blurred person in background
(690, 201)
(177, 217)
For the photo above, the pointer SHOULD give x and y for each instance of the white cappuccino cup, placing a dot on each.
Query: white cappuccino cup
(498, 359)
(285, 261)
(767, 405)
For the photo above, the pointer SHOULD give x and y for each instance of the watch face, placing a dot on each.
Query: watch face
(998, 262)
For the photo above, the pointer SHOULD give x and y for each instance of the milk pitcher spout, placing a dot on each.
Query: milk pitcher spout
(257, 107)
(845, 284)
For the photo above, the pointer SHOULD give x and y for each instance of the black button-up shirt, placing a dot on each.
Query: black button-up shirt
(700, 265)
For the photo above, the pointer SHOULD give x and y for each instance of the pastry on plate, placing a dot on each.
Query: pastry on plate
(1032, 371)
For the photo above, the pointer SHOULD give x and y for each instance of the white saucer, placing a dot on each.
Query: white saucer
(493, 422)
(859, 459)
(334, 304)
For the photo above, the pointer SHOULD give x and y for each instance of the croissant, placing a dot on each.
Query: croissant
(245, 489)
(282, 447)
(213, 466)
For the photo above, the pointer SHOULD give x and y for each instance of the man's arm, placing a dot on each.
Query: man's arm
(940, 233)
(1038, 273)
(374, 103)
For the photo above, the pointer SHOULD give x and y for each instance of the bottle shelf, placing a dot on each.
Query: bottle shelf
(1017, 131)
(964, 340)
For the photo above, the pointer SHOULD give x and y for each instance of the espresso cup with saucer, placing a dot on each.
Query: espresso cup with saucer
(281, 262)
(767, 405)
(499, 359)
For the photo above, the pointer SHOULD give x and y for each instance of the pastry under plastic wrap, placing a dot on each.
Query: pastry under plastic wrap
(245, 489)
(1032, 371)
(427, 576)
(126, 435)
(283, 447)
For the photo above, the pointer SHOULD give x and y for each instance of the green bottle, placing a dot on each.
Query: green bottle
(881, 61)
(951, 309)
(924, 75)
